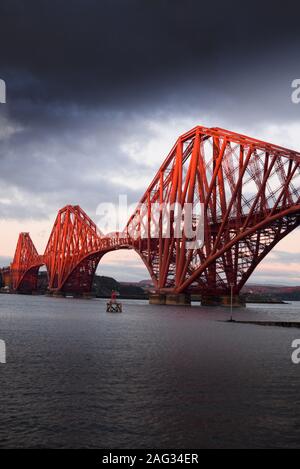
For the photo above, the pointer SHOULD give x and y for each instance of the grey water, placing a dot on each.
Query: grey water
(151, 377)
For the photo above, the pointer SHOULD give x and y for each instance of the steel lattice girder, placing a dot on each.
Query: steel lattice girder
(250, 191)
(25, 265)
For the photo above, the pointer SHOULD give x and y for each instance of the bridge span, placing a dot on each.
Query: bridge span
(250, 194)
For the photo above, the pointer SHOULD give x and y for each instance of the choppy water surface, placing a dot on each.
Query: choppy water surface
(152, 377)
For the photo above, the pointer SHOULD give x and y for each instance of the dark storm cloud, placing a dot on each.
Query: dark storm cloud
(116, 51)
(69, 160)
(84, 76)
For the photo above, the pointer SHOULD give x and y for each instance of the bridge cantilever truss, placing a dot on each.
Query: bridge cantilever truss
(250, 191)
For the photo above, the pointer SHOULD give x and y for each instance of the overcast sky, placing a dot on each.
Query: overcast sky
(98, 92)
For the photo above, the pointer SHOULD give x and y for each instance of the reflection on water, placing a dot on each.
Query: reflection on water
(152, 377)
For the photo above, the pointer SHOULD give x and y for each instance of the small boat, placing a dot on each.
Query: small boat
(113, 306)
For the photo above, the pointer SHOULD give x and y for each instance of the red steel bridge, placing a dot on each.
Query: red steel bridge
(250, 191)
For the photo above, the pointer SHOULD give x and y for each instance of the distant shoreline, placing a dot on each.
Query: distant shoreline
(146, 298)
(267, 302)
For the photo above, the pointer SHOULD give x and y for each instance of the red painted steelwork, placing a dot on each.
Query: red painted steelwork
(250, 191)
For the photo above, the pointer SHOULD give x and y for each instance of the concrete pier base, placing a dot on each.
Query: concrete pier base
(56, 294)
(62, 294)
(24, 292)
(86, 296)
(237, 301)
(157, 299)
(181, 299)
